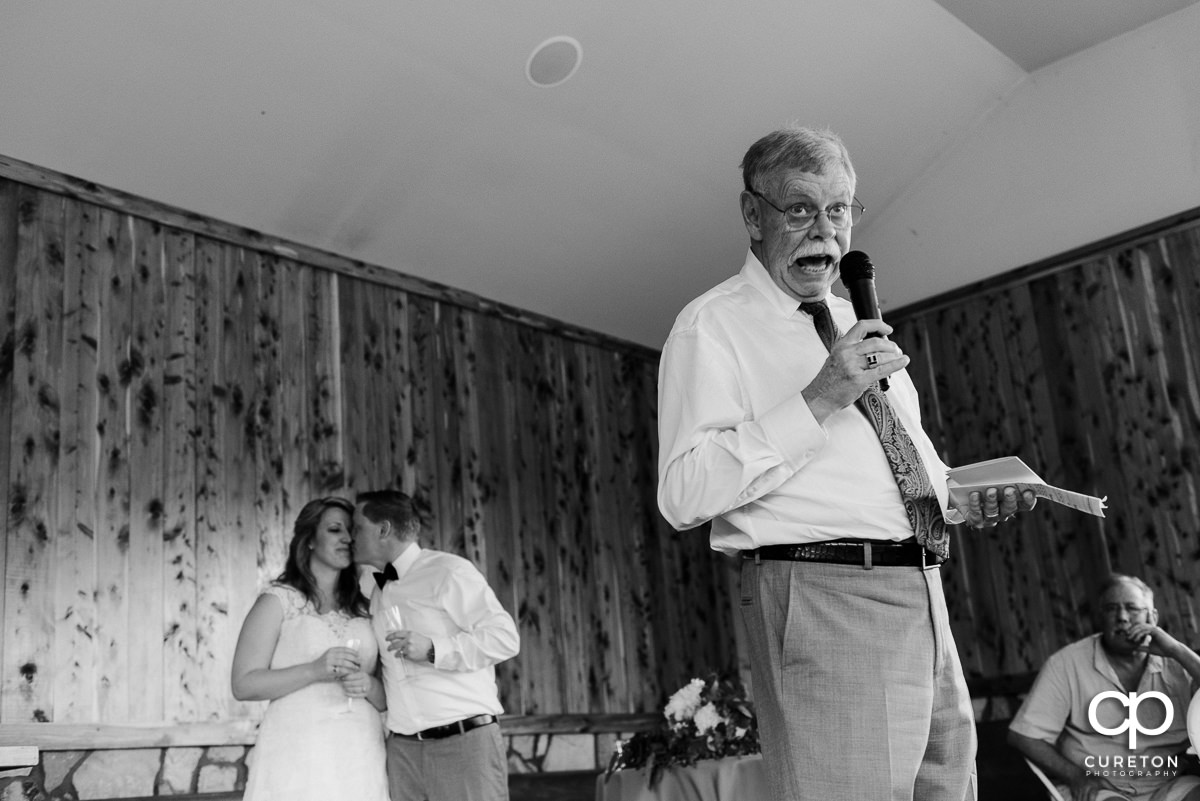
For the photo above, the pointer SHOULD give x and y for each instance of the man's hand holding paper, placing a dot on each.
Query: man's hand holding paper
(988, 493)
(985, 508)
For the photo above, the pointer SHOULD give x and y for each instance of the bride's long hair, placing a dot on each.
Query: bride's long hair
(298, 570)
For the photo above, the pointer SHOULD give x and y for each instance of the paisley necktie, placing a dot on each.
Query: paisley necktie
(916, 491)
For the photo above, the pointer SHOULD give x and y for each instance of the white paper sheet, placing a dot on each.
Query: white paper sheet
(1011, 471)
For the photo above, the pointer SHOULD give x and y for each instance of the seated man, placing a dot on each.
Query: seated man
(1131, 654)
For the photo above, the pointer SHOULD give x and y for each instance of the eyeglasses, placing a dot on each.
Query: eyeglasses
(1113, 610)
(802, 216)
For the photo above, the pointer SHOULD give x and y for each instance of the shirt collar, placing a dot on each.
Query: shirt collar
(404, 562)
(757, 276)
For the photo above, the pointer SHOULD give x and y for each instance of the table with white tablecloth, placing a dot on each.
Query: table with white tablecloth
(728, 779)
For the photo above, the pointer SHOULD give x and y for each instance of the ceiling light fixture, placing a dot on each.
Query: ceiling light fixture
(553, 61)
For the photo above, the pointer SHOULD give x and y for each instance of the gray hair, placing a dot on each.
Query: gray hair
(1117, 579)
(795, 147)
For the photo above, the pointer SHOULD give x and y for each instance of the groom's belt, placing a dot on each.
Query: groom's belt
(450, 729)
(865, 553)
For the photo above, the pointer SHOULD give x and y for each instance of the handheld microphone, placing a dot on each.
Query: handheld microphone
(858, 276)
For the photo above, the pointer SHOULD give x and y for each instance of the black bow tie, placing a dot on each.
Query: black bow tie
(387, 574)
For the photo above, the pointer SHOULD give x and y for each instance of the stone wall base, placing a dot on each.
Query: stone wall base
(136, 773)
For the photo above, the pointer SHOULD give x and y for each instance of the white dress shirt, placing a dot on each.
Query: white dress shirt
(738, 444)
(447, 599)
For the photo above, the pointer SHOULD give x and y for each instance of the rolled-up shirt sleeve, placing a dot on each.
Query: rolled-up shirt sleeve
(714, 455)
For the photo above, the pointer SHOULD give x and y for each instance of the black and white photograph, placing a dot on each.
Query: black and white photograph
(567, 401)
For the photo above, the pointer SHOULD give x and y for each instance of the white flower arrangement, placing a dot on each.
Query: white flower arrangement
(704, 719)
(683, 704)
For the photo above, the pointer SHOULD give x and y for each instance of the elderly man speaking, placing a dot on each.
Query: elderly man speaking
(775, 427)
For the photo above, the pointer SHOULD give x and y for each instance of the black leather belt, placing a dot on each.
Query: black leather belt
(866, 554)
(450, 729)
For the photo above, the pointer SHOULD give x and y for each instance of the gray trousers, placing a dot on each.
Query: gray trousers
(466, 767)
(858, 688)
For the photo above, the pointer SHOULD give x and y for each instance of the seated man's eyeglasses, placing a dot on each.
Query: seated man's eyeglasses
(800, 216)
(1113, 610)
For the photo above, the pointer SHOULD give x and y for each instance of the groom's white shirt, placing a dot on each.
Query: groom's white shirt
(447, 599)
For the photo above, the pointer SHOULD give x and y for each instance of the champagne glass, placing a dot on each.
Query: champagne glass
(352, 643)
(395, 622)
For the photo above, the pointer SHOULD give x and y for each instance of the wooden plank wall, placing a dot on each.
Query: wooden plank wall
(1089, 370)
(169, 398)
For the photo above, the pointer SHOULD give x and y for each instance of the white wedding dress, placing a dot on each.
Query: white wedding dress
(315, 744)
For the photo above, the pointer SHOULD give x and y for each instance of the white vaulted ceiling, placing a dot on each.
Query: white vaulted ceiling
(405, 132)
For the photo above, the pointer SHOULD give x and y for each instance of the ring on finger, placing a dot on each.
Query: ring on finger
(872, 360)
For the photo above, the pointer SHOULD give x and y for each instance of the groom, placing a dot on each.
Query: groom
(439, 664)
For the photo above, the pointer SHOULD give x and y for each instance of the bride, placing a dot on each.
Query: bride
(307, 647)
